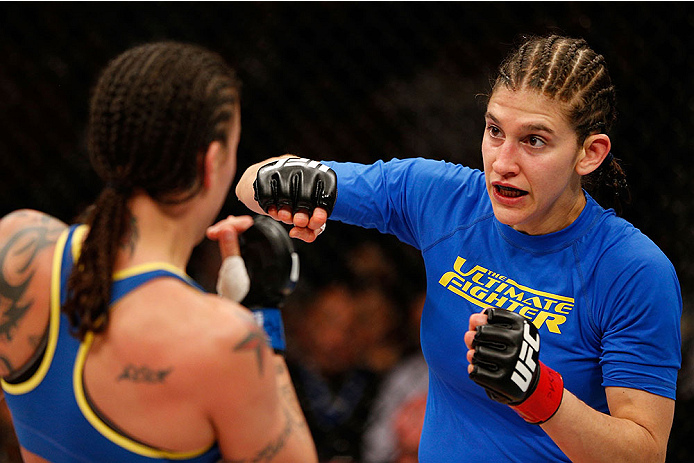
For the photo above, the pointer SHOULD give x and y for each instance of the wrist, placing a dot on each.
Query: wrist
(545, 400)
(270, 319)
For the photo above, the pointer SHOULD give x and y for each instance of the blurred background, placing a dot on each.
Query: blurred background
(358, 82)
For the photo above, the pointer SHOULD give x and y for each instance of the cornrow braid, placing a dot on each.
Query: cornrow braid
(568, 70)
(518, 76)
(579, 80)
(541, 72)
(153, 113)
(567, 63)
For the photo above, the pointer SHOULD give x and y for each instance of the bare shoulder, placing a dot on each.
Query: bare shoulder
(27, 240)
(24, 221)
(24, 233)
(229, 354)
(200, 332)
(230, 331)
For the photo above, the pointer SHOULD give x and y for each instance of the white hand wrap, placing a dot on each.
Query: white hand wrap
(233, 281)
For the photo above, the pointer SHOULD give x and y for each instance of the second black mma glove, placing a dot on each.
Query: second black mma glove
(273, 268)
(296, 182)
(263, 275)
(506, 363)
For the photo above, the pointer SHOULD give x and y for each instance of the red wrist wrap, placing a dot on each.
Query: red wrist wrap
(544, 402)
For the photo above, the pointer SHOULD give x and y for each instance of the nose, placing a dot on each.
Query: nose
(505, 162)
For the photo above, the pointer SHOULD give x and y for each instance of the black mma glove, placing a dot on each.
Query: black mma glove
(296, 182)
(273, 269)
(506, 363)
(271, 262)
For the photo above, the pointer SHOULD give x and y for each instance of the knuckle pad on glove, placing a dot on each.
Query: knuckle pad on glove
(487, 378)
(494, 334)
(297, 183)
(503, 317)
(502, 359)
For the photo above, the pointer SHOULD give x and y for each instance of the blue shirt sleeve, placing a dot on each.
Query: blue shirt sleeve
(400, 196)
(640, 319)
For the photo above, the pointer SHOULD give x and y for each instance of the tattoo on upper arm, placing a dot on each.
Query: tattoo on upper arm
(294, 422)
(289, 398)
(271, 450)
(22, 247)
(143, 374)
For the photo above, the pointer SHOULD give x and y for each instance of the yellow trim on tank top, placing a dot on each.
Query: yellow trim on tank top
(104, 429)
(53, 325)
(149, 267)
(78, 238)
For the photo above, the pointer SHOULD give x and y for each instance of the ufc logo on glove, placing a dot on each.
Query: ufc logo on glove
(506, 363)
(525, 367)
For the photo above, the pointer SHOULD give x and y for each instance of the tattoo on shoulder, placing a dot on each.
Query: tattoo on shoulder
(254, 341)
(143, 374)
(22, 248)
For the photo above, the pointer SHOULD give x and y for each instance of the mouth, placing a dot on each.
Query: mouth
(509, 192)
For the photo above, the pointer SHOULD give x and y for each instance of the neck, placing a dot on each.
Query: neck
(158, 233)
(565, 212)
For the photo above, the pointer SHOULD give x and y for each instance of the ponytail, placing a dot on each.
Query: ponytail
(608, 184)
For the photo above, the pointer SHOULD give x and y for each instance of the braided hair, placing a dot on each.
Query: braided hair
(569, 71)
(153, 113)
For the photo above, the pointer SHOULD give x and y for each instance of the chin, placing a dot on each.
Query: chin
(507, 216)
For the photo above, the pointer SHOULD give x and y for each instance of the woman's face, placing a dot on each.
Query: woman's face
(530, 152)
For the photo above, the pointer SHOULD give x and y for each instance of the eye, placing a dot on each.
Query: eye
(494, 131)
(535, 142)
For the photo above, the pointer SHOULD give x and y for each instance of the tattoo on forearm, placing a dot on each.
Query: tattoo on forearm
(24, 246)
(143, 374)
(131, 236)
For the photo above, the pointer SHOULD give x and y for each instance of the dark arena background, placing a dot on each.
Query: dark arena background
(357, 82)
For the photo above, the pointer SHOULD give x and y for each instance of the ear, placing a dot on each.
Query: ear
(211, 161)
(595, 149)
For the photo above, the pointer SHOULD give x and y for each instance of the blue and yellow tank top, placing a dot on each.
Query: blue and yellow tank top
(51, 413)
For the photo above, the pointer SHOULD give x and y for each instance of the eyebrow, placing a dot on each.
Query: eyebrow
(532, 127)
